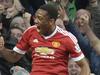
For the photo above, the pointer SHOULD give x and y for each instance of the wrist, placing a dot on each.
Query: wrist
(95, 43)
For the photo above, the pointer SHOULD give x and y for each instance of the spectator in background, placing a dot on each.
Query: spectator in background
(94, 7)
(25, 62)
(73, 68)
(83, 17)
(20, 22)
(95, 12)
(4, 65)
(46, 46)
(85, 45)
(10, 42)
(16, 32)
(1, 8)
(15, 10)
(6, 3)
(8, 14)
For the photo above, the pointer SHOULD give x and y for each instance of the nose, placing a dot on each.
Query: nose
(35, 20)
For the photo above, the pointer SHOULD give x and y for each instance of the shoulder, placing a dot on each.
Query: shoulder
(67, 34)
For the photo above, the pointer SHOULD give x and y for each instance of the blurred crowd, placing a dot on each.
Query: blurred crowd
(17, 15)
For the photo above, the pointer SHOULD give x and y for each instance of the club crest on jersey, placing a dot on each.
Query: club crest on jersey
(35, 41)
(56, 44)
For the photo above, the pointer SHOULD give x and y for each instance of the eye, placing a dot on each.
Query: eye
(40, 17)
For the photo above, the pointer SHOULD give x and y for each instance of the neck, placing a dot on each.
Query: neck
(50, 31)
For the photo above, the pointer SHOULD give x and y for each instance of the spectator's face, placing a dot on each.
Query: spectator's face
(20, 22)
(11, 12)
(79, 20)
(6, 3)
(73, 68)
(17, 33)
(43, 21)
(1, 8)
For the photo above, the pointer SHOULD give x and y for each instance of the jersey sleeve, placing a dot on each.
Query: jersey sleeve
(23, 45)
(75, 52)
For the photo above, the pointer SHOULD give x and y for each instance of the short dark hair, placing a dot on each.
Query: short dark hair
(51, 9)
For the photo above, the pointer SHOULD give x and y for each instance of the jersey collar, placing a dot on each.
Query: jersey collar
(47, 37)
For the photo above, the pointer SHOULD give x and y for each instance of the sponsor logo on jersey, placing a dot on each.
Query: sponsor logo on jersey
(44, 52)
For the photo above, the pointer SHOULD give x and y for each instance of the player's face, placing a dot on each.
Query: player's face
(42, 21)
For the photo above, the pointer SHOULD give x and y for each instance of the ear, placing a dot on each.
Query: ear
(52, 21)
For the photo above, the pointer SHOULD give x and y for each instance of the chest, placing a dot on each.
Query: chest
(49, 46)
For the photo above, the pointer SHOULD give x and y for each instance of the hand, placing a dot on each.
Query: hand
(62, 14)
(1, 8)
(1, 43)
(82, 17)
(84, 20)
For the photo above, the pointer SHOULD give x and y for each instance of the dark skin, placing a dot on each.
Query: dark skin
(44, 23)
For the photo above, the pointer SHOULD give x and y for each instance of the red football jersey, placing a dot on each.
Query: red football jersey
(49, 53)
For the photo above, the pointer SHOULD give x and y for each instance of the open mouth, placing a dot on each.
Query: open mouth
(38, 26)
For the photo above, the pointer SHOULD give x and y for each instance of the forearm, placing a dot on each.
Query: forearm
(85, 70)
(92, 37)
(10, 55)
(95, 41)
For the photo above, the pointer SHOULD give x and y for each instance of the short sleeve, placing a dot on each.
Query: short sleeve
(75, 52)
(23, 45)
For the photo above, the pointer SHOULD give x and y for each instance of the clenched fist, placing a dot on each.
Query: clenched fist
(82, 17)
(83, 20)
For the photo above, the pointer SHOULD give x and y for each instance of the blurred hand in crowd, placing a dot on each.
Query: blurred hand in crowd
(1, 8)
(82, 19)
(1, 43)
(62, 14)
